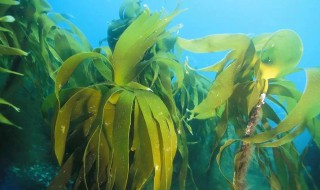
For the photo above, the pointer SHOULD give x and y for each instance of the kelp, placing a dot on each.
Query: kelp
(139, 116)
(130, 132)
(6, 50)
(242, 76)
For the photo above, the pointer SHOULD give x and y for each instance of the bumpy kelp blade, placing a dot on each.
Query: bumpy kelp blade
(307, 108)
(167, 135)
(279, 53)
(162, 137)
(120, 146)
(133, 43)
(142, 167)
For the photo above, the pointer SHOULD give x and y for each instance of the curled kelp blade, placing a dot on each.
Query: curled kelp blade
(232, 66)
(307, 108)
(279, 53)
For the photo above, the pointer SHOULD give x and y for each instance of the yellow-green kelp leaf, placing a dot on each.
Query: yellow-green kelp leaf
(9, 2)
(133, 43)
(3, 70)
(72, 63)
(219, 93)
(240, 56)
(7, 18)
(4, 120)
(64, 115)
(6, 50)
(120, 142)
(279, 53)
(4, 102)
(160, 130)
(307, 108)
(236, 43)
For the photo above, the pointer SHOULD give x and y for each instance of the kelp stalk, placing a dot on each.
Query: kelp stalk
(243, 157)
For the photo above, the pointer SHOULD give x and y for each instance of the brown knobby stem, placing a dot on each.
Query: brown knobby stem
(243, 157)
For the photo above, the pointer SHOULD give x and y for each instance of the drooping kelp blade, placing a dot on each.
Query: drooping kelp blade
(120, 143)
(237, 44)
(62, 124)
(279, 52)
(133, 43)
(5, 50)
(160, 130)
(9, 2)
(240, 57)
(307, 108)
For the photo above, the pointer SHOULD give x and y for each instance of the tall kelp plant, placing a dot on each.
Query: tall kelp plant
(248, 87)
(33, 43)
(119, 113)
(7, 50)
(119, 133)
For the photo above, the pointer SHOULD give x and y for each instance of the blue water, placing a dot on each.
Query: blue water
(205, 17)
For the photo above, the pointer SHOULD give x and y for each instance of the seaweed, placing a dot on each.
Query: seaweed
(132, 115)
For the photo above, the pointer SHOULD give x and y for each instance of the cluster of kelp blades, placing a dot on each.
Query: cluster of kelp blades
(120, 112)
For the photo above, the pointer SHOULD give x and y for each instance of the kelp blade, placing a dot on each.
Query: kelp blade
(307, 108)
(133, 43)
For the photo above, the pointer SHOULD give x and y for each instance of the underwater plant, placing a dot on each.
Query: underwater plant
(117, 133)
(249, 79)
(6, 50)
(130, 115)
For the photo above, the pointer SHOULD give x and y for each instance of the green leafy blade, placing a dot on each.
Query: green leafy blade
(307, 108)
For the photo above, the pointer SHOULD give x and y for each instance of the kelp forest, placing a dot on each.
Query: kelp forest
(134, 114)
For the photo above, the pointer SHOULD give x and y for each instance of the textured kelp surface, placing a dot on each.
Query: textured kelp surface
(135, 115)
